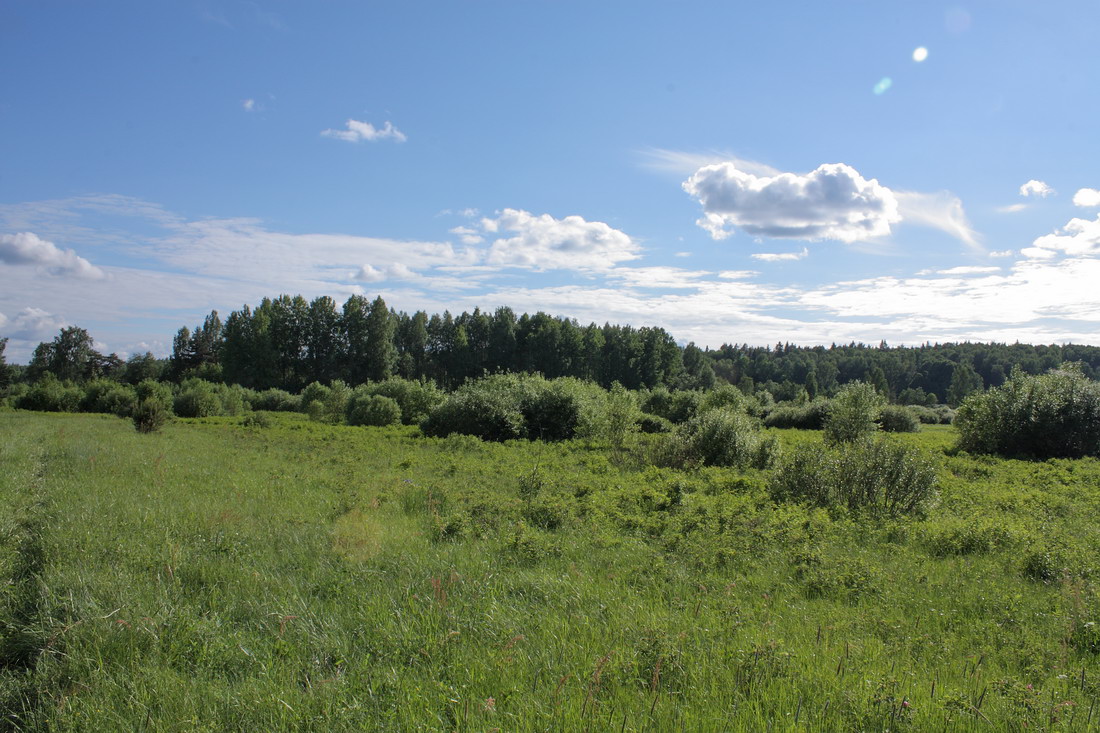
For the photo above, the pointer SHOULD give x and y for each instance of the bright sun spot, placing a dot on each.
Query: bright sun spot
(920, 53)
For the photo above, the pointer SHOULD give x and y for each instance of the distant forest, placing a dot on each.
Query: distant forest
(288, 342)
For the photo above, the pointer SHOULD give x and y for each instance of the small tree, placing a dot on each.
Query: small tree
(150, 415)
(853, 413)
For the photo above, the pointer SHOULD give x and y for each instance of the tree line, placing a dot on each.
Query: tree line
(288, 343)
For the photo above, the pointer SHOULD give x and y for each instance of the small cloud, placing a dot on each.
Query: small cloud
(545, 243)
(1036, 188)
(468, 235)
(920, 53)
(1011, 208)
(359, 131)
(27, 248)
(737, 274)
(1003, 253)
(683, 254)
(1086, 197)
(249, 105)
(781, 257)
(396, 271)
(964, 270)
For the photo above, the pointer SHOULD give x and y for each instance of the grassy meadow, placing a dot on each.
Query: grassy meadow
(220, 576)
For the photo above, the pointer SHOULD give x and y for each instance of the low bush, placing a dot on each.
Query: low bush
(898, 419)
(853, 413)
(938, 415)
(1053, 415)
(722, 437)
(108, 396)
(880, 478)
(197, 398)
(49, 394)
(416, 399)
(653, 424)
(807, 416)
(150, 415)
(373, 410)
(274, 400)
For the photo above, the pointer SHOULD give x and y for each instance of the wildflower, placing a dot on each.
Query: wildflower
(490, 705)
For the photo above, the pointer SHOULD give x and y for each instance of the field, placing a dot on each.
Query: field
(217, 576)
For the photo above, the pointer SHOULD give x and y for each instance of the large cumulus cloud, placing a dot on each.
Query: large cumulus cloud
(27, 248)
(545, 243)
(832, 202)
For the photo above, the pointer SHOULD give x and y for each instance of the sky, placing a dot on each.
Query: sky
(733, 172)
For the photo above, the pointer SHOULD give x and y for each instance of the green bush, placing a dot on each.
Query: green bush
(151, 389)
(416, 399)
(315, 392)
(879, 478)
(108, 396)
(853, 413)
(677, 407)
(150, 415)
(1053, 415)
(939, 415)
(49, 394)
(197, 398)
(274, 400)
(488, 408)
(727, 437)
(898, 419)
(332, 408)
(373, 410)
(654, 424)
(807, 416)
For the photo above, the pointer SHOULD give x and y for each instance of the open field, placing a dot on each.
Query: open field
(307, 577)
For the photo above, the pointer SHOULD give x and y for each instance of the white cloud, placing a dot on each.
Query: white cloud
(686, 163)
(1036, 188)
(467, 235)
(249, 105)
(32, 324)
(657, 277)
(1078, 238)
(359, 131)
(394, 271)
(1086, 197)
(545, 243)
(964, 270)
(1011, 208)
(27, 248)
(1002, 253)
(831, 202)
(781, 257)
(941, 210)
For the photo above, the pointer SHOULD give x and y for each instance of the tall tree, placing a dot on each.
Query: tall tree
(5, 372)
(381, 353)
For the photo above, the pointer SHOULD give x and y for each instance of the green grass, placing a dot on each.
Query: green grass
(306, 577)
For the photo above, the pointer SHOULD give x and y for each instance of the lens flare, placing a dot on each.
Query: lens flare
(920, 53)
(883, 84)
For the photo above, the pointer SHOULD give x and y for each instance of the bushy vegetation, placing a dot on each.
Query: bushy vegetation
(721, 437)
(805, 416)
(1054, 415)
(880, 478)
(898, 419)
(853, 413)
(373, 409)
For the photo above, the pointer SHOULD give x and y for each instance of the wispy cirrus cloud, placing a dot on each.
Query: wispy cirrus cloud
(781, 256)
(364, 131)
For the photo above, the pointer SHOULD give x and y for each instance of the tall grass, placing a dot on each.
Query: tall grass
(312, 577)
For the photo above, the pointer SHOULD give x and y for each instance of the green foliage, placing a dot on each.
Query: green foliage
(149, 415)
(807, 416)
(1052, 415)
(368, 409)
(614, 417)
(151, 389)
(941, 415)
(651, 424)
(314, 392)
(274, 400)
(415, 398)
(107, 395)
(332, 408)
(197, 398)
(880, 478)
(722, 437)
(49, 394)
(898, 419)
(853, 413)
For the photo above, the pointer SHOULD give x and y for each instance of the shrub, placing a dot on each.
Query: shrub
(373, 410)
(554, 410)
(1054, 415)
(105, 395)
(333, 407)
(654, 424)
(150, 415)
(879, 477)
(49, 394)
(725, 395)
(257, 420)
(274, 400)
(197, 398)
(939, 415)
(808, 416)
(898, 419)
(726, 437)
(488, 408)
(614, 416)
(315, 392)
(152, 389)
(852, 413)
(416, 399)
(677, 407)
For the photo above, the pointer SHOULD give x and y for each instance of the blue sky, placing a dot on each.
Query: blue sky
(733, 172)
